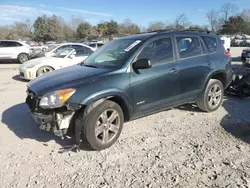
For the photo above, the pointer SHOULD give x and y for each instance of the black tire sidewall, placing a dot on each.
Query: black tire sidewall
(89, 125)
(209, 86)
(19, 58)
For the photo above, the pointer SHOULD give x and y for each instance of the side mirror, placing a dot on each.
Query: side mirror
(142, 64)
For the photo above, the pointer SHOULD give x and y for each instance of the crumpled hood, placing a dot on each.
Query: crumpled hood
(37, 61)
(64, 78)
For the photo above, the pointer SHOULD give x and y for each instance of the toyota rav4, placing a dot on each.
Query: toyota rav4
(129, 78)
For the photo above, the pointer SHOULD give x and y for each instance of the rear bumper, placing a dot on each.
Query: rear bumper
(229, 77)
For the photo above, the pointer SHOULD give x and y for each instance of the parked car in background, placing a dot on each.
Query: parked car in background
(131, 77)
(52, 50)
(14, 50)
(95, 45)
(226, 42)
(245, 55)
(63, 58)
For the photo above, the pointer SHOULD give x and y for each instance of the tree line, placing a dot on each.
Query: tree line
(226, 20)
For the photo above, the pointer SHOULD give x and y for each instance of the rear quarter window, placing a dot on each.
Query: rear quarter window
(210, 44)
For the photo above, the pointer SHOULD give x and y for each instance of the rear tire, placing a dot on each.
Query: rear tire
(23, 58)
(212, 98)
(101, 125)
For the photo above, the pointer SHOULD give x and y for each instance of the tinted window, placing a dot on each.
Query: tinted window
(10, 44)
(158, 52)
(92, 45)
(62, 47)
(189, 46)
(211, 44)
(99, 45)
(82, 51)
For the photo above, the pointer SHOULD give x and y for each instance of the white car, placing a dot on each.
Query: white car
(14, 50)
(63, 58)
(55, 48)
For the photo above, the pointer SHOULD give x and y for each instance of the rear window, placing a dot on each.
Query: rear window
(210, 43)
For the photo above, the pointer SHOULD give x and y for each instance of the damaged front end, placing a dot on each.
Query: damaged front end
(57, 120)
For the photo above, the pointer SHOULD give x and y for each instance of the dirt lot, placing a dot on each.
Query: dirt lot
(182, 147)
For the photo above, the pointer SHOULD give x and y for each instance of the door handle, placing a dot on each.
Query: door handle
(173, 71)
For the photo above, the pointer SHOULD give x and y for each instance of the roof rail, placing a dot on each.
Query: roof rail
(178, 30)
(182, 30)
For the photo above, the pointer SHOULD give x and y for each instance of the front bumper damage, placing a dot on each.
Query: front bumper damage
(57, 121)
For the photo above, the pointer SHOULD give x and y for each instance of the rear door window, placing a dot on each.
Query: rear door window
(210, 43)
(189, 47)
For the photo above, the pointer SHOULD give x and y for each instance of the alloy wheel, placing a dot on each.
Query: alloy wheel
(214, 96)
(107, 126)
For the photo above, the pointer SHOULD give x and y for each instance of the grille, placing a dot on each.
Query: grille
(31, 100)
(21, 74)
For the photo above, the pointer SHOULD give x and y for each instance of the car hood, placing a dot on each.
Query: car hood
(37, 61)
(64, 78)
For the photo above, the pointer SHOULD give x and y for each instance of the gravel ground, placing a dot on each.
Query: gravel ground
(181, 147)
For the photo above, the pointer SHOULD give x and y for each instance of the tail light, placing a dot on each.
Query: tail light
(228, 54)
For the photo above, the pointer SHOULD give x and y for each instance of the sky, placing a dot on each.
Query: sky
(94, 11)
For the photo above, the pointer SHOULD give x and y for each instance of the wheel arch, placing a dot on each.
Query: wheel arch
(116, 96)
(220, 75)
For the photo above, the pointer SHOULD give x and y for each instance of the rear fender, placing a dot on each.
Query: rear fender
(210, 76)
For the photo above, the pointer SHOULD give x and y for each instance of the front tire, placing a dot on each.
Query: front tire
(23, 58)
(43, 70)
(212, 98)
(101, 125)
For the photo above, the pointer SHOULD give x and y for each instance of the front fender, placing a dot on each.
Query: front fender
(106, 94)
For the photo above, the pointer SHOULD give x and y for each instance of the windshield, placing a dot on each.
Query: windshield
(112, 54)
(63, 53)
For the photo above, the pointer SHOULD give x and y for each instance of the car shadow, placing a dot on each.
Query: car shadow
(236, 59)
(8, 62)
(189, 107)
(22, 125)
(237, 121)
(17, 78)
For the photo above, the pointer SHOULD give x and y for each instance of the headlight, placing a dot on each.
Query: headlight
(56, 99)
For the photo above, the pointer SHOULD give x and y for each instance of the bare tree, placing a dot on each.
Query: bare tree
(128, 27)
(181, 21)
(246, 15)
(153, 26)
(76, 21)
(227, 10)
(213, 19)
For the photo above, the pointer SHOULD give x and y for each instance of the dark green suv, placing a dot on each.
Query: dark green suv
(129, 78)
